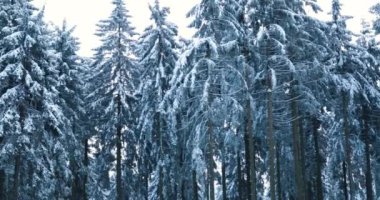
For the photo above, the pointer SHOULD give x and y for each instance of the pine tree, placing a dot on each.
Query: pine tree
(71, 72)
(159, 55)
(112, 100)
(32, 121)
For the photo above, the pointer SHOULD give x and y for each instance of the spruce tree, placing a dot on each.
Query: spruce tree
(112, 102)
(158, 50)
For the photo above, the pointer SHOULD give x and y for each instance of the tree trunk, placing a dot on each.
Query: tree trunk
(368, 173)
(239, 177)
(210, 161)
(195, 185)
(318, 164)
(224, 184)
(347, 146)
(3, 190)
(16, 177)
(271, 143)
(278, 167)
(119, 189)
(345, 191)
(161, 154)
(303, 161)
(210, 141)
(85, 163)
(249, 144)
(377, 158)
(300, 184)
(160, 184)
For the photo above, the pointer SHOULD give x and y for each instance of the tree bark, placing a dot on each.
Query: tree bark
(224, 184)
(16, 177)
(345, 190)
(85, 176)
(239, 178)
(347, 146)
(377, 158)
(3, 189)
(210, 161)
(249, 144)
(278, 167)
(161, 154)
(195, 185)
(119, 190)
(297, 154)
(271, 143)
(368, 173)
(318, 162)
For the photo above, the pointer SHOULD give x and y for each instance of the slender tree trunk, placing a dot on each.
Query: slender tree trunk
(160, 184)
(368, 173)
(210, 163)
(300, 184)
(249, 144)
(377, 158)
(239, 177)
(347, 146)
(318, 162)
(210, 129)
(278, 167)
(345, 190)
(224, 184)
(3, 190)
(16, 177)
(161, 154)
(85, 176)
(271, 142)
(195, 185)
(181, 156)
(303, 160)
(119, 188)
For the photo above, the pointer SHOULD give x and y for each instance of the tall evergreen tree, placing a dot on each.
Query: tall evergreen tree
(112, 100)
(158, 50)
(32, 122)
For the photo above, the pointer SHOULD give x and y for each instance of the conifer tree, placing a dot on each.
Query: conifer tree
(158, 50)
(112, 100)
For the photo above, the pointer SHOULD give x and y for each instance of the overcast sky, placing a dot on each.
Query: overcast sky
(86, 13)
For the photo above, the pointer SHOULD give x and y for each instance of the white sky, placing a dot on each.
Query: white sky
(86, 13)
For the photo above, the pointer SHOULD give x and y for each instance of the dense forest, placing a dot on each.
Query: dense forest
(264, 102)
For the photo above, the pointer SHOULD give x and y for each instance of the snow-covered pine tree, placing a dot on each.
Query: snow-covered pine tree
(32, 122)
(202, 79)
(70, 87)
(112, 101)
(158, 51)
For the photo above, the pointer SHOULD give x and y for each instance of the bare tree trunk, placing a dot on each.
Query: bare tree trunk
(377, 158)
(368, 173)
(300, 184)
(271, 143)
(347, 146)
(278, 167)
(16, 177)
(3, 189)
(239, 177)
(303, 161)
(224, 184)
(195, 186)
(318, 164)
(161, 173)
(345, 190)
(85, 163)
(119, 187)
(210, 161)
(249, 144)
